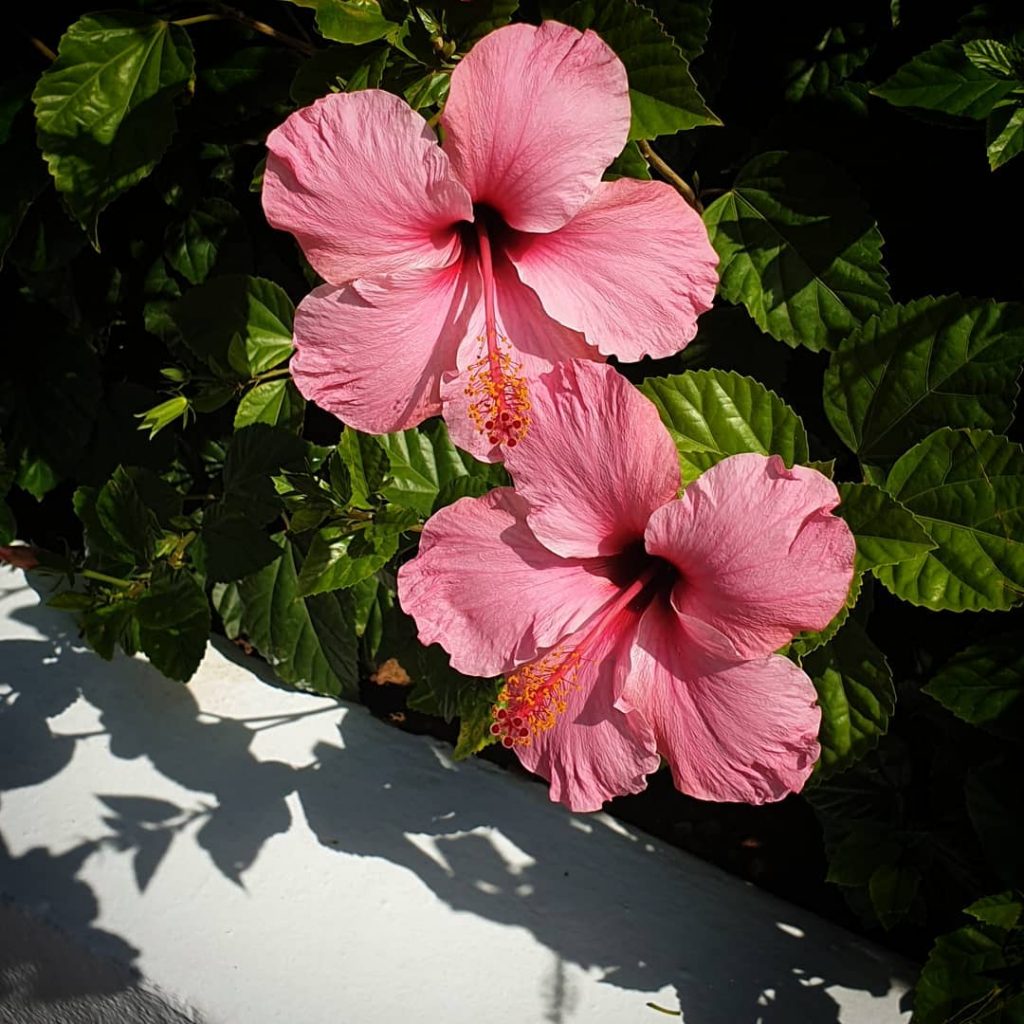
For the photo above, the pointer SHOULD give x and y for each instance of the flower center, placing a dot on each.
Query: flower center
(499, 403)
(535, 694)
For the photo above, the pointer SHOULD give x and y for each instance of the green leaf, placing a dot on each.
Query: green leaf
(245, 83)
(339, 69)
(662, 92)
(1005, 132)
(966, 487)
(866, 846)
(687, 21)
(996, 58)
(995, 803)
(712, 414)
(367, 464)
(475, 718)
(893, 888)
(984, 685)
(1002, 911)
(856, 695)
(36, 476)
(349, 21)
(8, 526)
(839, 52)
(240, 326)
(423, 461)
(105, 107)
(961, 973)
(944, 79)
(19, 151)
(194, 244)
(276, 402)
(934, 362)
(257, 452)
(107, 625)
(886, 532)
(467, 23)
(309, 642)
(338, 558)
(163, 415)
(126, 518)
(630, 163)
(174, 623)
(233, 545)
(798, 249)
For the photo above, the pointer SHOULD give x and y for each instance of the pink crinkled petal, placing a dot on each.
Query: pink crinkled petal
(359, 180)
(534, 116)
(535, 341)
(632, 270)
(483, 588)
(596, 461)
(594, 752)
(373, 352)
(761, 556)
(731, 730)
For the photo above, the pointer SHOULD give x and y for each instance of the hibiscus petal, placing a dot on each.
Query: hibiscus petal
(594, 752)
(760, 554)
(632, 270)
(359, 180)
(596, 462)
(489, 593)
(535, 342)
(730, 730)
(534, 116)
(373, 352)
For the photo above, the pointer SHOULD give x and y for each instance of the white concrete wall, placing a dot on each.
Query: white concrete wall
(268, 856)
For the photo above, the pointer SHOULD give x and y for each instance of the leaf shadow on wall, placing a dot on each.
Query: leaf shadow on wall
(596, 894)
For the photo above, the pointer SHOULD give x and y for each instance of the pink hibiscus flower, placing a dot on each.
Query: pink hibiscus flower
(630, 623)
(457, 273)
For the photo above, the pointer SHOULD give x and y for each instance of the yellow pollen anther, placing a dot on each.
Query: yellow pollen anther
(533, 697)
(500, 402)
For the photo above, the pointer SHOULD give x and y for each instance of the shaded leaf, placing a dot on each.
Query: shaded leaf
(966, 487)
(105, 107)
(798, 249)
(339, 69)
(194, 244)
(839, 52)
(893, 888)
(367, 464)
(256, 453)
(174, 623)
(995, 803)
(984, 685)
(960, 974)
(1005, 134)
(233, 545)
(309, 642)
(240, 325)
(931, 363)
(885, 531)
(856, 695)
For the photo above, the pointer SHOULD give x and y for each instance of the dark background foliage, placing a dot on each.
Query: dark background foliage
(236, 494)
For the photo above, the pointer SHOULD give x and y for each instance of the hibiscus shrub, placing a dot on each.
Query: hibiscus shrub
(158, 455)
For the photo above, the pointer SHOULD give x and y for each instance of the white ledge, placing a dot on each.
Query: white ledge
(269, 856)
